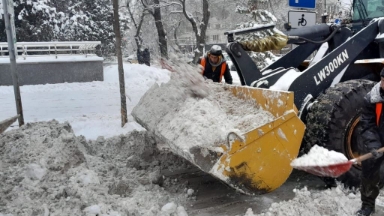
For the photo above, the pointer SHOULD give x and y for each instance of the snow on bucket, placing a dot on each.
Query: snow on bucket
(244, 136)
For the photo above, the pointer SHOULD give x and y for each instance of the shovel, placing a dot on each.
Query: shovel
(335, 170)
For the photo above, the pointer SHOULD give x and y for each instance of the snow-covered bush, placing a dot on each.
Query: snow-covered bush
(60, 20)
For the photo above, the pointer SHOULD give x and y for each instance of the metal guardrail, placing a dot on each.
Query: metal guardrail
(25, 49)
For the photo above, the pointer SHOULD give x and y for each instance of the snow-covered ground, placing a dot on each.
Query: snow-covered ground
(48, 169)
(235, 77)
(93, 109)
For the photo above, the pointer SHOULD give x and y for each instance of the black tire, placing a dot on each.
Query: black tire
(333, 122)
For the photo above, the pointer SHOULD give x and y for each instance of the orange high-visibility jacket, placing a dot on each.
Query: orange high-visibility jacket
(223, 68)
(379, 108)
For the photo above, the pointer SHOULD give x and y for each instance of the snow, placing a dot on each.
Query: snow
(92, 109)
(94, 209)
(169, 208)
(190, 192)
(46, 169)
(49, 168)
(189, 112)
(34, 171)
(286, 80)
(180, 211)
(235, 78)
(319, 156)
(336, 201)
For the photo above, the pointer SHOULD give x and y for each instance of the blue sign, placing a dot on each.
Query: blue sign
(302, 3)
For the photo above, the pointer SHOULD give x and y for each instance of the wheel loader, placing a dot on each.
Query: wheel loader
(329, 88)
(316, 101)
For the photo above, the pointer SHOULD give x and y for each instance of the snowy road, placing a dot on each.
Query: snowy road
(215, 198)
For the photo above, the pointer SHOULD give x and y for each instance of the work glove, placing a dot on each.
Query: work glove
(376, 154)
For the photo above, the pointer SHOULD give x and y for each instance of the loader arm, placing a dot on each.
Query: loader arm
(246, 68)
(315, 79)
(319, 76)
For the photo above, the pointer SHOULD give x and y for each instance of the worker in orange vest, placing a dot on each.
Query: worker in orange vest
(372, 121)
(214, 66)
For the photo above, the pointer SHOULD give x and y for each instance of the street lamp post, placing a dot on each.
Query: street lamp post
(11, 38)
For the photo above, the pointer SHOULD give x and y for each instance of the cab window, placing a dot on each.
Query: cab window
(368, 9)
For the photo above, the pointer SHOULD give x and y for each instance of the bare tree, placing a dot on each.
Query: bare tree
(154, 8)
(175, 35)
(137, 23)
(199, 28)
(116, 28)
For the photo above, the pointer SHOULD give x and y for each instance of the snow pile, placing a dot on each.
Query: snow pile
(333, 202)
(189, 111)
(47, 170)
(319, 156)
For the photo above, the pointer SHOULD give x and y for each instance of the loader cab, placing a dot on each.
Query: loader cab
(364, 11)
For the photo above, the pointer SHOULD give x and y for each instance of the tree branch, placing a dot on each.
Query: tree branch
(175, 12)
(175, 36)
(131, 14)
(206, 15)
(190, 18)
(147, 7)
(137, 36)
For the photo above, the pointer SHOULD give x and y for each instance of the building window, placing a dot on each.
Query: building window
(206, 38)
(215, 37)
(218, 26)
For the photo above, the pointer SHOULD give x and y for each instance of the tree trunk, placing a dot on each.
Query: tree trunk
(160, 30)
(175, 37)
(200, 39)
(199, 35)
(116, 28)
(138, 38)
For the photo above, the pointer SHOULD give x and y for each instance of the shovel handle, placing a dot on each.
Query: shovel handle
(367, 156)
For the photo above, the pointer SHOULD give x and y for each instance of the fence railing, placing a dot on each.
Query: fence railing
(54, 48)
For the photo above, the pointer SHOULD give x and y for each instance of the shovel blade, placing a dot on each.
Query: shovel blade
(334, 170)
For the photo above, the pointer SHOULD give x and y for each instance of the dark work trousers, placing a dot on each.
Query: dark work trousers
(370, 179)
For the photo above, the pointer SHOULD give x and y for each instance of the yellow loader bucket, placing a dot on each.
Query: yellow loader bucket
(253, 162)
(258, 161)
